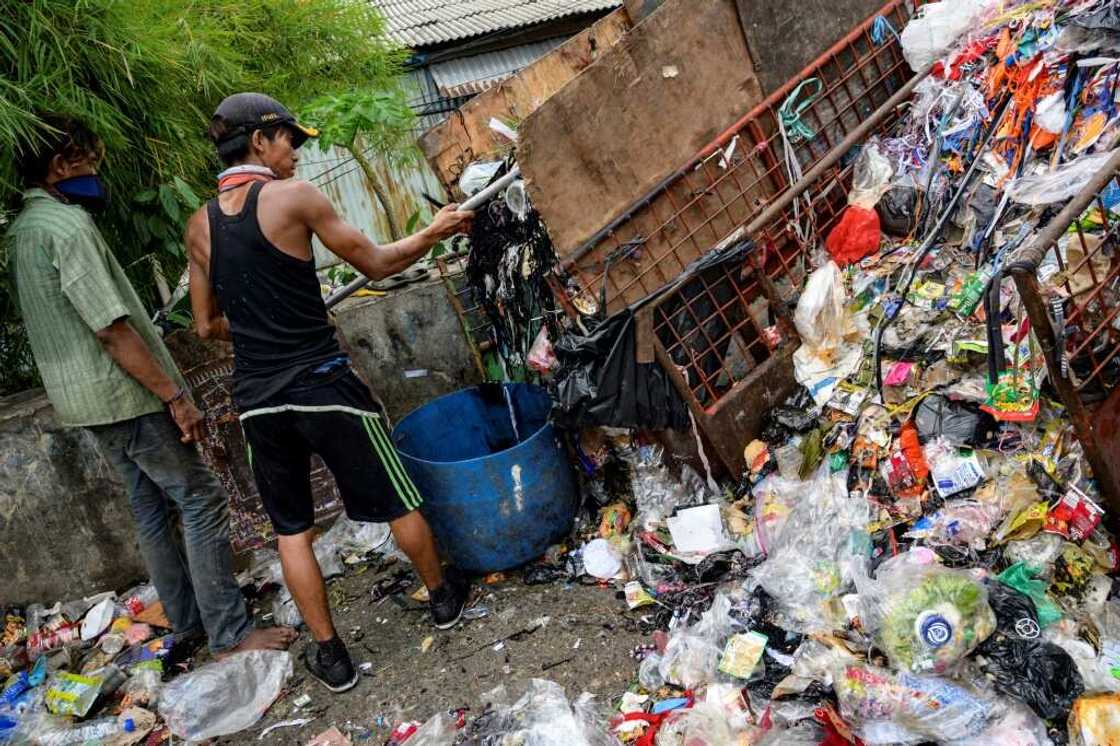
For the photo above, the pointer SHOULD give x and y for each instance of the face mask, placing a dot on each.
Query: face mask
(88, 191)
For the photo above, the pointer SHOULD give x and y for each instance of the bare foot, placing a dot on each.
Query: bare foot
(265, 638)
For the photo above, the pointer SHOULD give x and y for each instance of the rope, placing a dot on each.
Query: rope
(789, 115)
(879, 31)
(793, 130)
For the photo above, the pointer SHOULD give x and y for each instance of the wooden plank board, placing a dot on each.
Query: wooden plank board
(466, 136)
(666, 90)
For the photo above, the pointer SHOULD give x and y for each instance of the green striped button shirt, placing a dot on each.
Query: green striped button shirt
(69, 287)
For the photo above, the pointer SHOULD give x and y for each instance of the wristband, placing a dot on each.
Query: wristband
(178, 395)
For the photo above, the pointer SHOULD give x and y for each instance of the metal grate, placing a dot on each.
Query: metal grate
(717, 329)
(731, 181)
(1074, 309)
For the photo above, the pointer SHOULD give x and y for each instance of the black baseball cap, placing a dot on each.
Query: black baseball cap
(246, 112)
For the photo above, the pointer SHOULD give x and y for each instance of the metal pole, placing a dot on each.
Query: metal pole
(472, 203)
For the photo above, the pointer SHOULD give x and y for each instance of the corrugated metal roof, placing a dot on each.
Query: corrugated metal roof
(466, 76)
(421, 23)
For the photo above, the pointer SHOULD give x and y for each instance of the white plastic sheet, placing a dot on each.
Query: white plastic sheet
(226, 696)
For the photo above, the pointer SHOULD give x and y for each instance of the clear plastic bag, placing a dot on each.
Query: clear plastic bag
(226, 696)
(702, 724)
(1060, 184)
(438, 731)
(1016, 726)
(285, 613)
(926, 618)
(692, 656)
(888, 708)
(871, 178)
(347, 537)
(541, 717)
(477, 175)
(822, 548)
(935, 28)
(824, 325)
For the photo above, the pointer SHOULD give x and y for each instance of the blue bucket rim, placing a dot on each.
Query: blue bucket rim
(523, 442)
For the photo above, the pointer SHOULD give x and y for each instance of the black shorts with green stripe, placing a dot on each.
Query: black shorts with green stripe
(334, 416)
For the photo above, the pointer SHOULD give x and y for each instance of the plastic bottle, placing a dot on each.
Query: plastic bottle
(964, 302)
(58, 732)
(140, 598)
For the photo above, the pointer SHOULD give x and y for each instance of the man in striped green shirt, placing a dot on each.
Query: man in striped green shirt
(106, 369)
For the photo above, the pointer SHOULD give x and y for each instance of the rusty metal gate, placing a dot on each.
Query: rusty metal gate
(724, 336)
(1069, 280)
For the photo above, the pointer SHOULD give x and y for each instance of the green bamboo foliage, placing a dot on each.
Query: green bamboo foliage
(146, 75)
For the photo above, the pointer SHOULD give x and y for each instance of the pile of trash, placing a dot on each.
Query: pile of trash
(917, 550)
(108, 670)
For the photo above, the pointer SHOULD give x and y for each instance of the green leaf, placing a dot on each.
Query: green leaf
(413, 220)
(181, 319)
(170, 204)
(189, 197)
(145, 197)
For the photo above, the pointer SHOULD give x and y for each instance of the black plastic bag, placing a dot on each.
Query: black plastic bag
(599, 382)
(1015, 612)
(1040, 674)
(898, 210)
(959, 423)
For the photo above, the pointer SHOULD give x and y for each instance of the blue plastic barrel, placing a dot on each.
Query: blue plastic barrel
(497, 486)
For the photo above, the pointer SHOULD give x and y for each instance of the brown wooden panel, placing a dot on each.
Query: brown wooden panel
(666, 90)
(466, 136)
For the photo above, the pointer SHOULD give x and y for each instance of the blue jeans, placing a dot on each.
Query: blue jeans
(194, 573)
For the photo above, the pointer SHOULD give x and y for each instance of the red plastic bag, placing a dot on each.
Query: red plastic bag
(854, 237)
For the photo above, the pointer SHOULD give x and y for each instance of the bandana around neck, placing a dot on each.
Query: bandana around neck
(235, 176)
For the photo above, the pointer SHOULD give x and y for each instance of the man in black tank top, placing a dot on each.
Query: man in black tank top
(253, 282)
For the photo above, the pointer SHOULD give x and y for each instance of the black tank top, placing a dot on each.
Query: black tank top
(273, 303)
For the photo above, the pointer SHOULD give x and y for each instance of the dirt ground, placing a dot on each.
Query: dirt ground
(578, 636)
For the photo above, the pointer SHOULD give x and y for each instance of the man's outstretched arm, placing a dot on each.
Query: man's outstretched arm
(351, 245)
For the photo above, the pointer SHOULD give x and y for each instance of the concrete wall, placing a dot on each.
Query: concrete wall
(409, 345)
(65, 526)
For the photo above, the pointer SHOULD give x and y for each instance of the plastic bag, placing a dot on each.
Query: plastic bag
(440, 730)
(855, 236)
(692, 656)
(1016, 726)
(541, 357)
(888, 708)
(1050, 113)
(824, 324)
(346, 538)
(898, 209)
(477, 175)
(926, 618)
(1040, 674)
(1023, 578)
(871, 177)
(823, 546)
(821, 318)
(541, 717)
(1058, 185)
(702, 724)
(599, 381)
(940, 417)
(226, 696)
(935, 28)
(285, 613)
